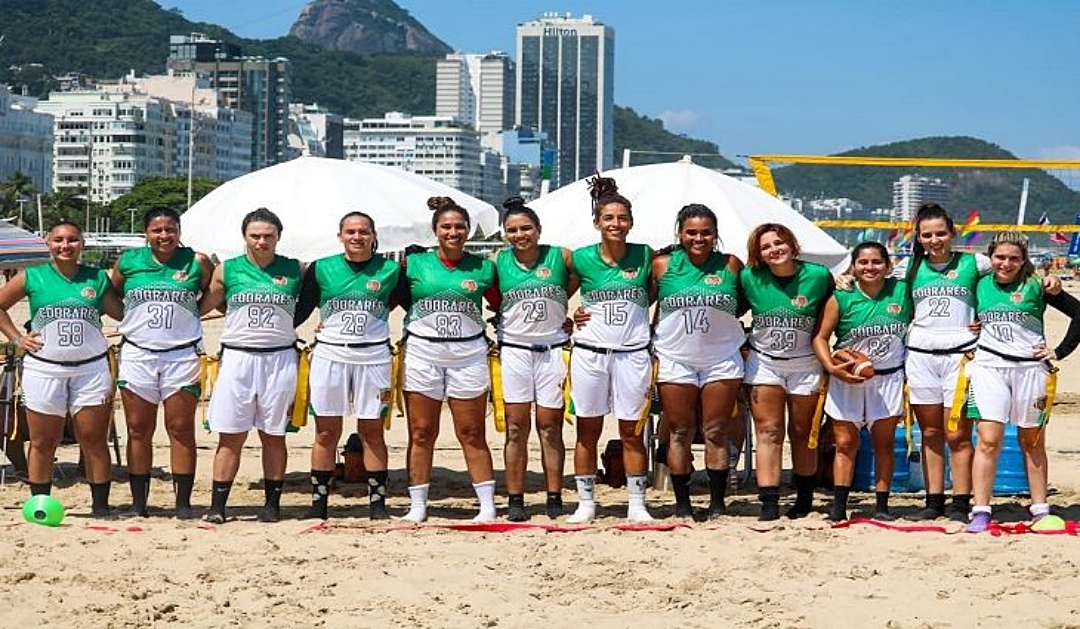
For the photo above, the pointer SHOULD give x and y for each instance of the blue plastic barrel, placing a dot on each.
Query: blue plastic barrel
(864, 463)
(1011, 478)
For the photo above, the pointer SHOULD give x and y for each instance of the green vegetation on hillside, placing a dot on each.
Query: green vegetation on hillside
(995, 192)
(641, 133)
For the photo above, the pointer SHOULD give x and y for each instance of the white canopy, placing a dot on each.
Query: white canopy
(658, 191)
(311, 194)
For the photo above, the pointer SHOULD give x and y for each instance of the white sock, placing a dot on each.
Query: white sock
(981, 509)
(1039, 511)
(586, 508)
(485, 491)
(418, 509)
(635, 503)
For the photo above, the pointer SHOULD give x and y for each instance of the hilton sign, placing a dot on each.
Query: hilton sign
(555, 31)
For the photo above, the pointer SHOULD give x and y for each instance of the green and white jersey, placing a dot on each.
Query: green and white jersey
(161, 299)
(616, 296)
(697, 311)
(533, 304)
(354, 308)
(785, 310)
(944, 298)
(67, 312)
(876, 326)
(259, 303)
(1012, 320)
(447, 304)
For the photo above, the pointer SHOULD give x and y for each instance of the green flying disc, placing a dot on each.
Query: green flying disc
(1049, 523)
(43, 509)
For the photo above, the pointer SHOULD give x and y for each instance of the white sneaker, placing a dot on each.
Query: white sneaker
(485, 516)
(415, 515)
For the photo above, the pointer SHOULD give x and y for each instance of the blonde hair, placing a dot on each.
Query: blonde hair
(1020, 241)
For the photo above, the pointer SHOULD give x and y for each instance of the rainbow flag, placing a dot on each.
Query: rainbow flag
(969, 232)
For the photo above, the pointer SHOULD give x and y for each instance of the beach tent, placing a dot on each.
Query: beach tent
(658, 191)
(311, 194)
(20, 248)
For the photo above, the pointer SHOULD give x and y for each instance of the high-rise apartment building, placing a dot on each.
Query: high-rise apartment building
(565, 89)
(26, 140)
(438, 147)
(104, 143)
(911, 191)
(315, 132)
(252, 84)
(477, 89)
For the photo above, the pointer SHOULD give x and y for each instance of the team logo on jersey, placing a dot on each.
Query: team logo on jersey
(1016, 298)
(180, 276)
(799, 301)
(543, 272)
(88, 292)
(374, 285)
(713, 280)
(281, 280)
(630, 273)
(469, 285)
(894, 309)
(952, 275)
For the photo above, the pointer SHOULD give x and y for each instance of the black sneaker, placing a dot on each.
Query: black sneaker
(270, 513)
(377, 511)
(928, 513)
(517, 513)
(769, 512)
(555, 507)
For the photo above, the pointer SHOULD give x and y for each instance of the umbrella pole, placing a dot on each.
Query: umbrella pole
(8, 385)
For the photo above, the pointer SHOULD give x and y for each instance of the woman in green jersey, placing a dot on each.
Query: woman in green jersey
(350, 364)
(535, 281)
(611, 366)
(786, 296)
(942, 284)
(159, 361)
(446, 355)
(256, 382)
(64, 368)
(872, 319)
(697, 340)
(1011, 373)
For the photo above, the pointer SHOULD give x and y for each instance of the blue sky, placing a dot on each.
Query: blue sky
(790, 76)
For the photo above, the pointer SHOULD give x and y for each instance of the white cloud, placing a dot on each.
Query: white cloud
(681, 120)
(1065, 151)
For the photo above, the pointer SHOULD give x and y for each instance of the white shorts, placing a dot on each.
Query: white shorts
(675, 372)
(155, 378)
(463, 382)
(253, 391)
(600, 382)
(864, 403)
(932, 377)
(529, 376)
(344, 389)
(59, 390)
(798, 376)
(1015, 395)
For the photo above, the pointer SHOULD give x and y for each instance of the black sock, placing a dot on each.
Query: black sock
(804, 488)
(881, 502)
(320, 493)
(517, 501)
(554, 497)
(40, 489)
(680, 484)
(272, 491)
(140, 490)
(962, 502)
(718, 482)
(840, 498)
(936, 502)
(182, 486)
(377, 486)
(220, 496)
(770, 503)
(99, 495)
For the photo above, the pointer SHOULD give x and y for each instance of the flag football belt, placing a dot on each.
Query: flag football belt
(608, 350)
(539, 349)
(125, 340)
(360, 345)
(959, 349)
(68, 363)
(437, 339)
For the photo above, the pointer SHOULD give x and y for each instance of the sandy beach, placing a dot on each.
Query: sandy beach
(352, 572)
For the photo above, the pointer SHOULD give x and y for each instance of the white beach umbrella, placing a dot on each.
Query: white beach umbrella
(311, 194)
(658, 191)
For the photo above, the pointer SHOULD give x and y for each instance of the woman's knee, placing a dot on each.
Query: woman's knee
(471, 434)
(771, 433)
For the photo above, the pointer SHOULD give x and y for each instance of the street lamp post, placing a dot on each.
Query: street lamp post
(133, 210)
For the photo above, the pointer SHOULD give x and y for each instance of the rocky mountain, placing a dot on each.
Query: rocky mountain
(364, 27)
